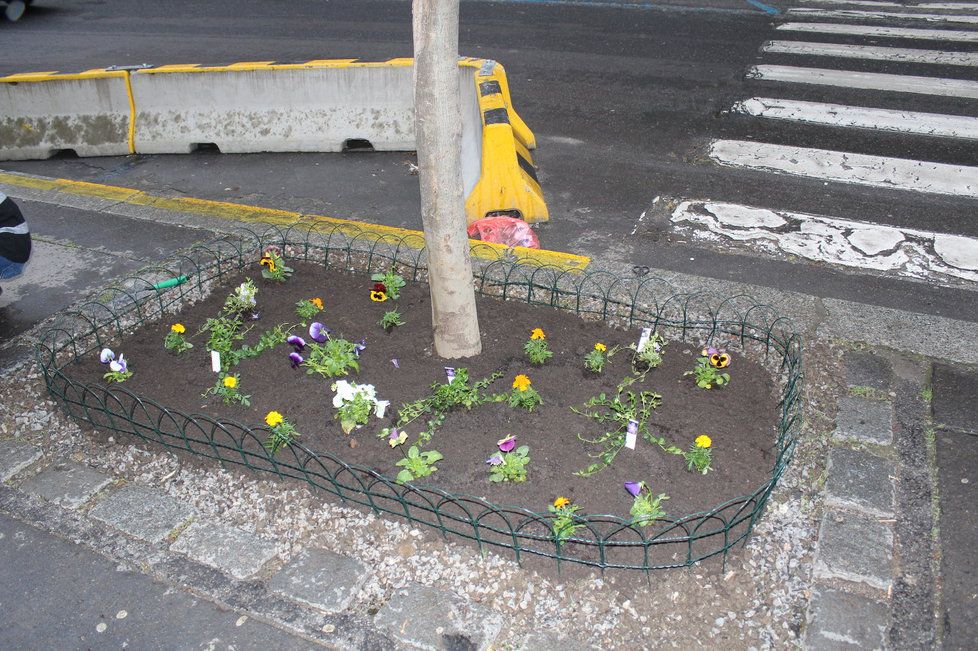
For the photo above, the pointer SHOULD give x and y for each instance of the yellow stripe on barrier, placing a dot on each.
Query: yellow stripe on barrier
(273, 216)
(28, 77)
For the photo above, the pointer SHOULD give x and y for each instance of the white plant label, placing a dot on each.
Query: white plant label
(215, 361)
(631, 434)
(450, 373)
(644, 339)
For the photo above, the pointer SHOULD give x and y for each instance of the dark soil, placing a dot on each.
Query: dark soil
(741, 418)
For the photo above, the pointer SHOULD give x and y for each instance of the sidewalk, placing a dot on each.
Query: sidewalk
(867, 543)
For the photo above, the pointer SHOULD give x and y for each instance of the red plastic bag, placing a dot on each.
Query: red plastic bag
(507, 231)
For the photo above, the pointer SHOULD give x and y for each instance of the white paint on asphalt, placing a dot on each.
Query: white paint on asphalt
(841, 115)
(883, 32)
(859, 169)
(866, 3)
(897, 54)
(867, 80)
(856, 14)
(968, 6)
(908, 252)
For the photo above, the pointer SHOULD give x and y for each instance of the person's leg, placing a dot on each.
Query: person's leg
(10, 269)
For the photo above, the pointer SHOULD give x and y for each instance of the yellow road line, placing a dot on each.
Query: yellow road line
(276, 217)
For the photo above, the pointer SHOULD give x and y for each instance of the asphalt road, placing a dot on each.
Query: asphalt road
(625, 100)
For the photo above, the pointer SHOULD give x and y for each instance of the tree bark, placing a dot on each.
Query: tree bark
(438, 128)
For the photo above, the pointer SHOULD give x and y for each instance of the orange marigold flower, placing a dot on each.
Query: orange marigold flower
(521, 382)
(537, 333)
(273, 418)
(703, 441)
(178, 328)
(561, 502)
(318, 302)
(600, 347)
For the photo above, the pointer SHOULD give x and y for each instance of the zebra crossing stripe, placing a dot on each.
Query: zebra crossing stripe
(905, 55)
(962, 36)
(840, 115)
(856, 14)
(866, 80)
(843, 167)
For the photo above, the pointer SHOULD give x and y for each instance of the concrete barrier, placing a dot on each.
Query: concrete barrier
(44, 113)
(265, 106)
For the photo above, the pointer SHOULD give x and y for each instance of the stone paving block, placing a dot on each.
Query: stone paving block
(839, 620)
(321, 579)
(67, 484)
(431, 619)
(955, 401)
(866, 421)
(15, 456)
(860, 480)
(142, 512)
(855, 548)
(553, 642)
(868, 370)
(233, 551)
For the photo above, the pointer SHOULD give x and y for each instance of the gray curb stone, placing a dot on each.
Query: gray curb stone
(15, 456)
(431, 619)
(839, 620)
(552, 642)
(233, 551)
(67, 484)
(142, 513)
(866, 421)
(855, 548)
(861, 481)
(868, 370)
(321, 579)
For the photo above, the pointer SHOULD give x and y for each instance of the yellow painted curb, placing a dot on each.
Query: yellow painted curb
(273, 216)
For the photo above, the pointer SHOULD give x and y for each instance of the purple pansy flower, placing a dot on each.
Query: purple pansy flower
(296, 342)
(296, 359)
(710, 351)
(119, 365)
(634, 488)
(255, 315)
(359, 347)
(106, 355)
(318, 332)
(507, 444)
(495, 460)
(396, 363)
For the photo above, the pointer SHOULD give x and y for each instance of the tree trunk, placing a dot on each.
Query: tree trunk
(437, 118)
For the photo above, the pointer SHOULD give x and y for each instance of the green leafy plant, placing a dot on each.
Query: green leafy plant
(223, 332)
(536, 348)
(417, 464)
(650, 356)
(707, 370)
(598, 356)
(390, 319)
(699, 456)
(273, 267)
(334, 358)
(626, 410)
(392, 282)
(227, 387)
(308, 308)
(175, 339)
(509, 464)
(565, 521)
(242, 299)
(646, 507)
(354, 402)
(281, 432)
(266, 341)
(444, 397)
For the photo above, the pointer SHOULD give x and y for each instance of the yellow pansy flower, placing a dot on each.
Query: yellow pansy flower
(267, 261)
(378, 297)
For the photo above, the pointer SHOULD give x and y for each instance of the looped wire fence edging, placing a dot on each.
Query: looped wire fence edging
(603, 541)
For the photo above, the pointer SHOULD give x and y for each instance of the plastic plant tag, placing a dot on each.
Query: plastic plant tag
(644, 339)
(381, 408)
(631, 434)
(215, 361)
(450, 373)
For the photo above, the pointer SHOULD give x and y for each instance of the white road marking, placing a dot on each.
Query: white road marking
(840, 115)
(946, 5)
(856, 14)
(884, 32)
(859, 169)
(898, 54)
(908, 252)
(867, 80)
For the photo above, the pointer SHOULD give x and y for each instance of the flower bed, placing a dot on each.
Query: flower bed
(613, 517)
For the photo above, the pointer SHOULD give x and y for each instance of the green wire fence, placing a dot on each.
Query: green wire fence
(603, 541)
